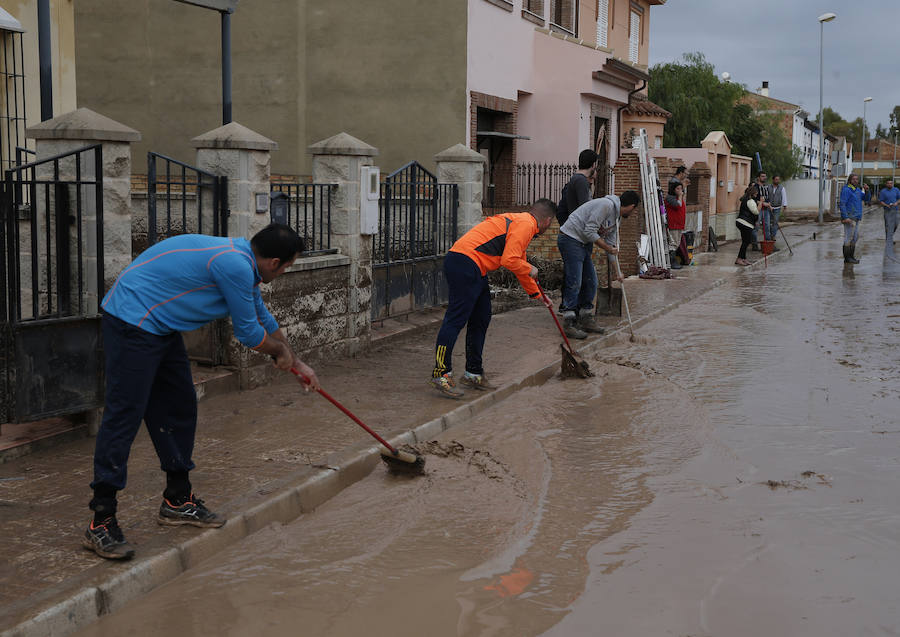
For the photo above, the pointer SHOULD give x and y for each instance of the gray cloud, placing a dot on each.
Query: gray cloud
(778, 41)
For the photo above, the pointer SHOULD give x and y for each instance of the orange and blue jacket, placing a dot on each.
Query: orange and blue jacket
(501, 240)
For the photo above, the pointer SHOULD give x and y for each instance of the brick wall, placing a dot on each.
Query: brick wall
(628, 177)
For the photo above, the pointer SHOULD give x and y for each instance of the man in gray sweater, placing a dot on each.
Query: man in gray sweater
(593, 223)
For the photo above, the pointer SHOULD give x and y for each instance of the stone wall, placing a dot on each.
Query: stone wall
(311, 302)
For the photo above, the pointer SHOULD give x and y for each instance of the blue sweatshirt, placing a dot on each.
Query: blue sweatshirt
(184, 282)
(889, 197)
(851, 202)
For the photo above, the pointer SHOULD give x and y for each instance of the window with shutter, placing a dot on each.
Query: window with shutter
(602, 22)
(634, 38)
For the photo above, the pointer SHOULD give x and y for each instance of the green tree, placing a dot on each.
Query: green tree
(881, 132)
(895, 121)
(700, 103)
(838, 126)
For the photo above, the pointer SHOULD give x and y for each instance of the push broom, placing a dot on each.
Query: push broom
(397, 461)
(572, 363)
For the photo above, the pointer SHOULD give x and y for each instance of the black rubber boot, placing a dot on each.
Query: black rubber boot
(674, 261)
(847, 254)
(853, 258)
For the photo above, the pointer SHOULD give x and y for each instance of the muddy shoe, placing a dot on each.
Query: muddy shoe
(476, 381)
(192, 511)
(446, 386)
(587, 323)
(572, 330)
(107, 540)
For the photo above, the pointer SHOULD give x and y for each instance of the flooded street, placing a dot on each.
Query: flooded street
(733, 473)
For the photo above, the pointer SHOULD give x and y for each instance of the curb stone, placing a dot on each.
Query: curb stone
(344, 469)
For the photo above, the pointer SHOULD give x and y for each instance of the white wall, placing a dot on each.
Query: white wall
(804, 193)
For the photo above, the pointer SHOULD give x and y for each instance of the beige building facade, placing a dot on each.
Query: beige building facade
(405, 76)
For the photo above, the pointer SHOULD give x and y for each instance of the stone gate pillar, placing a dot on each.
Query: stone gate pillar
(77, 129)
(464, 167)
(245, 158)
(338, 160)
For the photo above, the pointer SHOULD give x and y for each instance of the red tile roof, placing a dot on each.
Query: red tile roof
(640, 105)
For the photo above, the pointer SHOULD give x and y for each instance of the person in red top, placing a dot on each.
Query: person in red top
(676, 211)
(498, 241)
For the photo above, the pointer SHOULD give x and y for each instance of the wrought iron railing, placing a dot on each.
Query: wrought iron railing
(418, 217)
(309, 213)
(538, 181)
(53, 236)
(192, 200)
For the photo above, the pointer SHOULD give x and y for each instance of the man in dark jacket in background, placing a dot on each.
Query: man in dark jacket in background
(578, 189)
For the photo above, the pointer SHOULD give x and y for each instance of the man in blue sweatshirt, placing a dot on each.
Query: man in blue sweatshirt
(177, 285)
(890, 199)
(851, 203)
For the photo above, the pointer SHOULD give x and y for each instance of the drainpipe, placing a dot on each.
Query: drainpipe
(619, 114)
(45, 61)
(226, 67)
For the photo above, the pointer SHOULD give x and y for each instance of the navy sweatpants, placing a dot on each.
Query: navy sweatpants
(470, 305)
(148, 377)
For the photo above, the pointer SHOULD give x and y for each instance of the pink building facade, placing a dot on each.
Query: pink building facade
(539, 91)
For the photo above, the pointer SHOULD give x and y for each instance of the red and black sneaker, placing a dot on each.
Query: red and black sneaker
(107, 540)
(192, 511)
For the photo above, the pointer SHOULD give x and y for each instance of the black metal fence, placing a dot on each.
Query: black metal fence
(53, 211)
(193, 200)
(417, 225)
(417, 216)
(51, 285)
(536, 181)
(309, 213)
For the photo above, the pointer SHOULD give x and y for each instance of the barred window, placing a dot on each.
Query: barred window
(12, 92)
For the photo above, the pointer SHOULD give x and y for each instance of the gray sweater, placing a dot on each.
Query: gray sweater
(593, 220)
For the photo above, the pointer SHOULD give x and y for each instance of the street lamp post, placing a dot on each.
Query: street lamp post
(894, 165)
(825, 17)
(862, 156)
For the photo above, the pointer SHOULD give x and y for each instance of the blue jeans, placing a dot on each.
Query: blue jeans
(890, 226)
(148, 377)
(772, 223)
(469, 305)
(851, 232)
(580, 277)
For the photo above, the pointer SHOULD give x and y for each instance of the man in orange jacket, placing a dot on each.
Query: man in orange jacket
(497, 241)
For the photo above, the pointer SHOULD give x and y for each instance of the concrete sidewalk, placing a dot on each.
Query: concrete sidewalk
(275, 452)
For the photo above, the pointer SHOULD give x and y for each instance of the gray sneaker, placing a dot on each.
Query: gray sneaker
(476, 381)
(587, 323)
(106, 540)
(572, 330)
(192, 511)
(446, 386)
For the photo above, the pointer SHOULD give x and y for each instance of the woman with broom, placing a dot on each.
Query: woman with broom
(746, 221)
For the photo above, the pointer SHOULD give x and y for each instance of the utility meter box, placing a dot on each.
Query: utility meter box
(369, 194)
(278, 207)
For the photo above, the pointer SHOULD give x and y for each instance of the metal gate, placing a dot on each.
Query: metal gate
(417, 226)
(51, 275)
(184, 199)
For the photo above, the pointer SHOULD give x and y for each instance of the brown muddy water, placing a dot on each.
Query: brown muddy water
(734, 474)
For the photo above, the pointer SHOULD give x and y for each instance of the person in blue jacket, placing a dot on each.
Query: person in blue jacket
(177, 285)
(889, 196)
(851, 203)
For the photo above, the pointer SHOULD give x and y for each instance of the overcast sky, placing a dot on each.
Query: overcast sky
(778, 41)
